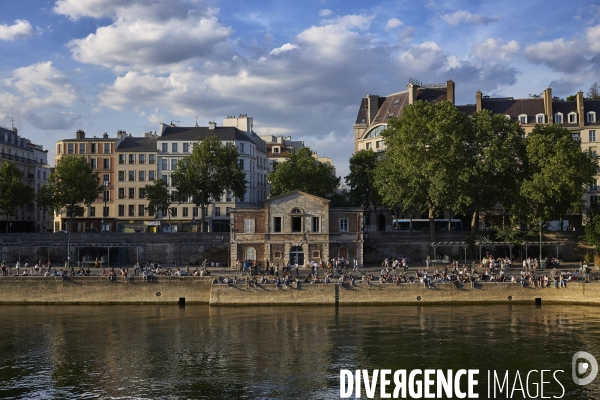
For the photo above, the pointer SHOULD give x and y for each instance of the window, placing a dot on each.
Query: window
(173, 211)
(251, 254)
(593, 199)
(591, 116)
(151, 158)
(131, 176)
(174, 147)
(165, 147)
(575, 136)
(540, 118)
(316, 224)
(276, 224)
(594, 186)
(185, 211)
(164, 164)
(227, 211)
(92, 212)
(593, 150)
(249, 225)
(121, 176)
(151, 176)
(368, 145)
(106, 163)
(94, 149)
(81, 148)
(70, 148)
(142, 176)
(121, 193)
(141, 210)
(121, 158)
(572, 118)
(241, 148)
(296, 224)
(106, 179)
(592, 136)
(93, 163)
(241, 164)
(131, 210)
(523, 118)
(558, 118)
(132, 159)
(131, 193)
(186, 147)
(195, 211)
(121, 210)
(106, 148)
(344, 225)
(142, 193)
(165, 179)
(173, 164)
(142, 159)
(217, 211)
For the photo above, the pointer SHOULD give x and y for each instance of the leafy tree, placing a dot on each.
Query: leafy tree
(14, 192)
(592, 226)
(361, 180)
(593, 92)
(427, 159)
(340, 198)
(301, 171)
(498, 165)
(205, 174)
(572, 97)
(72, 183)
(159, 199)
(557, 173)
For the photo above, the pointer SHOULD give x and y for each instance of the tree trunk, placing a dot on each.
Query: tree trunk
(475, 221)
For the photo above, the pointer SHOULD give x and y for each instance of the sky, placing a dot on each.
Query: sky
(299, 68)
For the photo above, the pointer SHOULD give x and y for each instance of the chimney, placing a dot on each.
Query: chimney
(547, 95)
(580, 108)
(162, 128)
(105, 136)
(412, 93)
(79, 134)
(478, 101)
(450, 91)
(212, 125)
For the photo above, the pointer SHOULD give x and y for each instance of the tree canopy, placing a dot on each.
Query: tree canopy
(14, 192)
(159, 199)
(205, 174)
(361, 180)
(72, 184)
(301, 171)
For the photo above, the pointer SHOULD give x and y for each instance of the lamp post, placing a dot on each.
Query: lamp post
(541, 225)
(104, 209)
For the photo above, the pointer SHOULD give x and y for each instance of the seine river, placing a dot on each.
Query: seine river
(139, 352)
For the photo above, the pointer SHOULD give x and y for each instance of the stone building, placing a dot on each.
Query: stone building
(296, 227)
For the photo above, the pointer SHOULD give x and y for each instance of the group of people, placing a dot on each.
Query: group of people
(39, 268)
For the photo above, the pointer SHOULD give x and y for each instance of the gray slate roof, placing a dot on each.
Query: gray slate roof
(137, 144)
(203, 132)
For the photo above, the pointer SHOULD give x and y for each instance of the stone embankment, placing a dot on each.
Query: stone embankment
(188, 290)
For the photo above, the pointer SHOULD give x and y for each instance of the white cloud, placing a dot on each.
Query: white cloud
(283, 49)
(393, 24)
(140, 9)
(495, 50)
(593, 37)
(20, 30)
(467, 17)
(325, 12)
(560, 54)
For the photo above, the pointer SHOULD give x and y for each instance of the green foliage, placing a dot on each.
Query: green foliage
(591, 230)
(301, 171)
(205, 174)
(572, 97)
(158, 198)
(14, 192)
(556, 175)
(72, 183)
(361, 180)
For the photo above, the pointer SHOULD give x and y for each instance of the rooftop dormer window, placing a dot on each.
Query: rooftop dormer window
(591, 117)
(572, 117)
(523, 118)
(558, 118)
(540, 118)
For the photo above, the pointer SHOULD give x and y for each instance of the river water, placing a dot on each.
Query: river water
(170, 352)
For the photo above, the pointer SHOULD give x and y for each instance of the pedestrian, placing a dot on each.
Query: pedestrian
(17, 266)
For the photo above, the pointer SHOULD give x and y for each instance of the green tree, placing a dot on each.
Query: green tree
(592, 226)
(498, 164)
(14, 192)
(301, 171)
(72, 184)
(557, 173)
(159, 199)
(427, 158)
(205, 174)
(361, 180)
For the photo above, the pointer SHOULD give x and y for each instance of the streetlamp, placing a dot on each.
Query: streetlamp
(541, 225)
(104, 209)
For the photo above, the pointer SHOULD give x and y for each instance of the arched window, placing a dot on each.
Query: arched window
(251, 254)
(373, 133)
(297, 210)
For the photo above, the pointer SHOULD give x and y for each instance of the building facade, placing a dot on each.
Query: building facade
(296, 227)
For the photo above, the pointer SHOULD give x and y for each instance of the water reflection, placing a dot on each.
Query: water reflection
(280, 352)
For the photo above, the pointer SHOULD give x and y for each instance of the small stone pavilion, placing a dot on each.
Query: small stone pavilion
(296, 227)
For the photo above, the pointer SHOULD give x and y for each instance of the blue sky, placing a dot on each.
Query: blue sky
(299, 68)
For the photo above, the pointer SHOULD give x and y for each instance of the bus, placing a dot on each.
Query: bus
(441, 225)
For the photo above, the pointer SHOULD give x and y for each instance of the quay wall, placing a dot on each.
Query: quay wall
(96, 290)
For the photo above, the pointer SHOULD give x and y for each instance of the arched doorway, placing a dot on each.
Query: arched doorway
(381, 223)
(297, 255)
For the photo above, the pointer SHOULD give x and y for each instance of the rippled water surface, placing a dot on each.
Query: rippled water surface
(126, 352)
